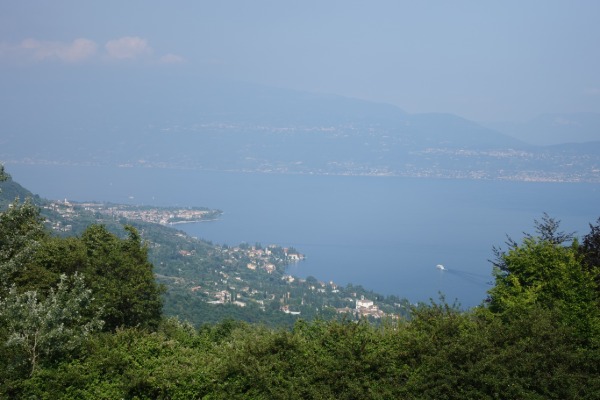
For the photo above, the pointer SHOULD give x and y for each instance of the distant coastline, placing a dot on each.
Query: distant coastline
(583, 175)
(192, 222)
(158, 215)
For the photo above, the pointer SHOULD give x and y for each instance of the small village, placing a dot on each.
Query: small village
(157, 215)
(255, 276)
(249, 276)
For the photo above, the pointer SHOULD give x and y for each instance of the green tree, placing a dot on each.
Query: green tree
(41, 330)
(548, 230)
(121, 276)
(117, 270)
(3, 175)
(590, 248)
(543, 272)
(21, 234)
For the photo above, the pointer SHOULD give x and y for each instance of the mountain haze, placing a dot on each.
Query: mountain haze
(554, 129)
(182, 121)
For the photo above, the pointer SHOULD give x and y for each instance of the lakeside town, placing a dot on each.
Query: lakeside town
(248, 277)
(234, 287)
(150, 214)
(510, 165)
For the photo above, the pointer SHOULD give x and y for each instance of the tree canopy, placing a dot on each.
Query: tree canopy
(80, 317)
(55, 291)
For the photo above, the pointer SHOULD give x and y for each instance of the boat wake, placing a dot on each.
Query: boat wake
(478, 279)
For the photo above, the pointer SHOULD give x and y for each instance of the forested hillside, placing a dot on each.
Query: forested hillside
(81, 317)
(208, 283)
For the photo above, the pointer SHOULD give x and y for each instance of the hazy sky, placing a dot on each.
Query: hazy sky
(483, 60)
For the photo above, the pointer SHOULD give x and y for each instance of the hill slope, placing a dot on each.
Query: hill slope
(209, 283)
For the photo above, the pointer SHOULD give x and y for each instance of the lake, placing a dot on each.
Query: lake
(384, 233)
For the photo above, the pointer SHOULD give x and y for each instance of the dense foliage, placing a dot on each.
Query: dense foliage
(80, 317)
(441, 353)
(55, 292)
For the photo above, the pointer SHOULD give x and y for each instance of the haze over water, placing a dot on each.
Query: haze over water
(384, 233)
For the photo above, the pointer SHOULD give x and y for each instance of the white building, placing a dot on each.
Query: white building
(360, 304)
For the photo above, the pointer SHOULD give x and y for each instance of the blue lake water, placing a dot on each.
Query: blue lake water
(384, 233)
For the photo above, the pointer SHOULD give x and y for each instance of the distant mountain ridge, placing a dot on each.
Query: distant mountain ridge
(183, 121)
(554, 129)
(454, 131)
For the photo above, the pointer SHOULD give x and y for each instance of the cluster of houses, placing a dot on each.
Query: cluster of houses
(286, 309)
(66, 210)
(163, 216)
(224, 296)
(364, 308)
(158, 215)
(265, 259)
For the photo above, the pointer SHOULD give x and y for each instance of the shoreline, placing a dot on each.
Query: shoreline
(191, 222)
